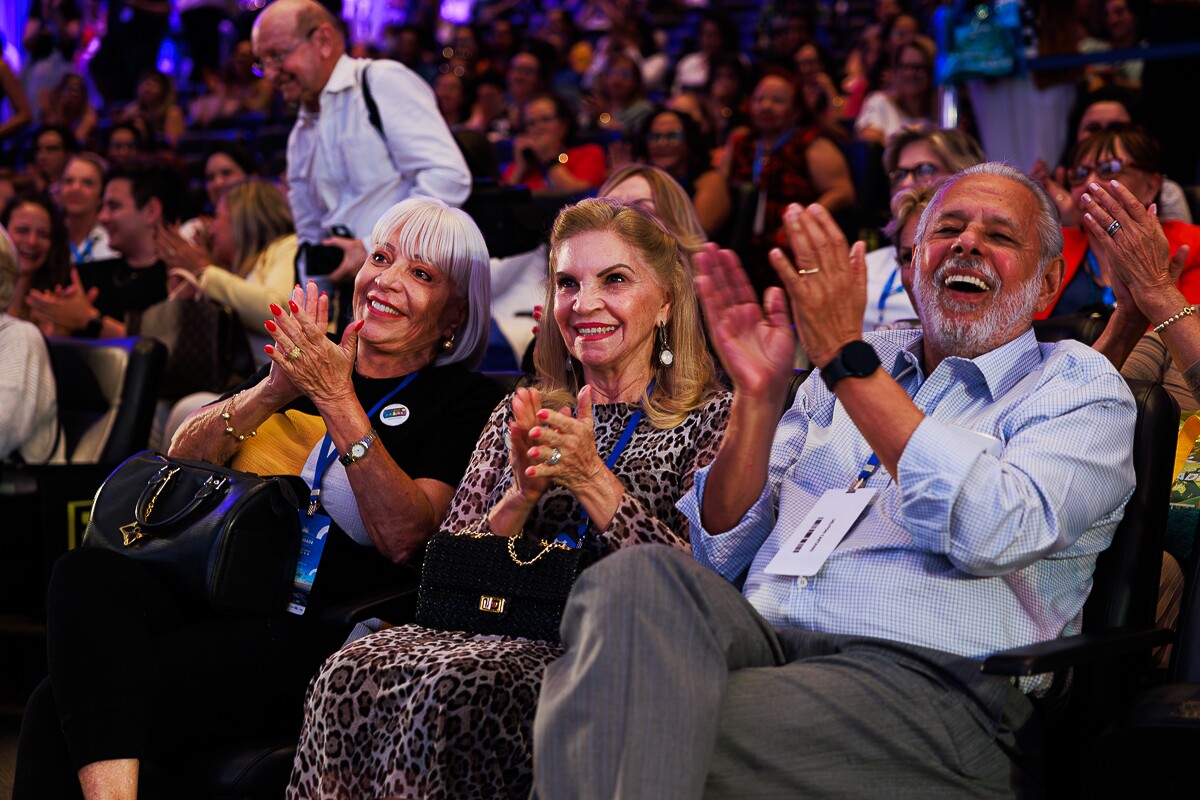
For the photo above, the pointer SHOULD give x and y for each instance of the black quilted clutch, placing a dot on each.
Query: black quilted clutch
(481, 583)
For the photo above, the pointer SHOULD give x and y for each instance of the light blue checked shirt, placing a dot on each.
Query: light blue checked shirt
(968, 553)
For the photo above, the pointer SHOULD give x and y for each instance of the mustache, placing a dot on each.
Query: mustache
(973, 263)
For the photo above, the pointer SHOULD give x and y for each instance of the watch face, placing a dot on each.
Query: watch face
(860, 359)
(358, 450)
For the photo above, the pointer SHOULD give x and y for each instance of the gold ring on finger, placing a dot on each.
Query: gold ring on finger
(812, 271)
(294, 353)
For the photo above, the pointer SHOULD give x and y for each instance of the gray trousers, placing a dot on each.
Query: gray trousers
(673, 686)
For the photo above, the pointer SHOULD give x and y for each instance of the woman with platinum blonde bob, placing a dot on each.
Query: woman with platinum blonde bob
(382, 424)
(414, 712)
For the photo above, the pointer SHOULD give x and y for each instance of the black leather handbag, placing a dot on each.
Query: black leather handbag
(481, 583)
(225, 540)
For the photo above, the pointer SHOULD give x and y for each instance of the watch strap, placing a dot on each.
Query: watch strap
(348, 458)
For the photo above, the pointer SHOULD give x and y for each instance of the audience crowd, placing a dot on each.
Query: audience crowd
(275, 166)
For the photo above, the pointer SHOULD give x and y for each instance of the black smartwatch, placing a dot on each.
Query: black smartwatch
(856, 360)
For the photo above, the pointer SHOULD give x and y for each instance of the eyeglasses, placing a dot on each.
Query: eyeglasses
(274, 62)
(923, 171)
(668, 136)
(1105, 170)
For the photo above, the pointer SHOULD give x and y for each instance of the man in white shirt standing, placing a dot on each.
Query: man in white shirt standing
(368, 134)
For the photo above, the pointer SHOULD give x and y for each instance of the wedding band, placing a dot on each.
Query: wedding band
(555, 457)
(294, 353)
(1112, 229)
(812, 271)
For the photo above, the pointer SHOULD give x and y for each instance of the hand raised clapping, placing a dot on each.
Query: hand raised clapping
(303, 357)
(563, 447)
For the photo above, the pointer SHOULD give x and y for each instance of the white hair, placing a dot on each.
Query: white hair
(448, 239)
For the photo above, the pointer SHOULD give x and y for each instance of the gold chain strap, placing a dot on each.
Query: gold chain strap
(546, 548)
(132, 532)
(159, 490)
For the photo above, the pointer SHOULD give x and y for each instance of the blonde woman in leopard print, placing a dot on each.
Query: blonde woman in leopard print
(418, 713)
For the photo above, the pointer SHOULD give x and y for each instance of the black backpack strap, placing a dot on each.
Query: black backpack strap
(372, 108)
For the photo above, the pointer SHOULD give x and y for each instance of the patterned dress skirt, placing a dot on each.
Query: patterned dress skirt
(415, 713)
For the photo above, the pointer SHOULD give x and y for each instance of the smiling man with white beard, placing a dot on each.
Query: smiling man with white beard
(828, 641)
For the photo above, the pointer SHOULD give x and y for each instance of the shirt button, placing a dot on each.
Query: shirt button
(802, 582)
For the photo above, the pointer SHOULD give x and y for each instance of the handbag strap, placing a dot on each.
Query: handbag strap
(158, 484)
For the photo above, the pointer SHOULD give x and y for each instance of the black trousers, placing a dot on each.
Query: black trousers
(137, 673)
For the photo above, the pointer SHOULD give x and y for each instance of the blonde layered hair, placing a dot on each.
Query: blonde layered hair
(258, 215)
(691, 380)
(671, 202)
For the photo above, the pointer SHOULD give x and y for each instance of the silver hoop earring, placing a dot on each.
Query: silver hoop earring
(665, 356)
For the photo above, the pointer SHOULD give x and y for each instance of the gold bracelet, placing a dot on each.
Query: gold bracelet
(226, 413)
(1186, 311)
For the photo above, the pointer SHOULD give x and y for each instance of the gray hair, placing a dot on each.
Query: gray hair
(8, 269)
(448, 239)
(1050, 237)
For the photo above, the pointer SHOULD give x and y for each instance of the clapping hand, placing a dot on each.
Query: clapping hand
(303, 357)
(63, 310)
(826, 282)
(527, 403)
(569, 442)
(755, 343)
(1136, 250)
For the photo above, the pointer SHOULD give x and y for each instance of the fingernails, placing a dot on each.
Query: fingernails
(535, 330)
(1095, 187)
(292, 305)
(271, 326)
(536, 433)
(531, 472)
(322, 294)
(1087, 198)
(543, 414)
(534, 452)
(269, 350)
(276, 310)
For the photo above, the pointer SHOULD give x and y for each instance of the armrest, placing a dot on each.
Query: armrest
(1073, 651)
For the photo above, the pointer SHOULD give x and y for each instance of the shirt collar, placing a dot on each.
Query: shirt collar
(999, 369)
(343, 77)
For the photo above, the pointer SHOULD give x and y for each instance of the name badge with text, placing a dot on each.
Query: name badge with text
(809, 547)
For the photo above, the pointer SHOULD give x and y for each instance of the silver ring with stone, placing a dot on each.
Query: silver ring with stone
(555, 457)
(1112, 229)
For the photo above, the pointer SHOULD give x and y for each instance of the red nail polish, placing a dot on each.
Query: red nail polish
(531, 472)
(322, 294)
(292, 305)
(535, 330)
(270, 326)
(534, 452)
(276, 310)
(543, 414)
(536, 433)
(269, 350)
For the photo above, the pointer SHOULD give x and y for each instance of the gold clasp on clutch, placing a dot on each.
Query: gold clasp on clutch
(492, 605)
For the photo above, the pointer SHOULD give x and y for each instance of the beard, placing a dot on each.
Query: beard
(1007, 316)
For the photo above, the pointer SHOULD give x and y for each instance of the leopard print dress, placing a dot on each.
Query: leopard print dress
(411, 712)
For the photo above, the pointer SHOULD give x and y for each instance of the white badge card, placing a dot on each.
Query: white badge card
(809, 547)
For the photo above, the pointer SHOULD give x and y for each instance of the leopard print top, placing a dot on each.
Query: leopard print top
(656, 468)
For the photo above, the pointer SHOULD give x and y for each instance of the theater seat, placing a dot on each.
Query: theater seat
(107, 390)
(1111, 655)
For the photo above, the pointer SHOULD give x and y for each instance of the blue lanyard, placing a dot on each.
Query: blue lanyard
(864, 475)
(1108, 298)
(328, 452)
(889, 289)
(87, 251)
(775, 148)
(610, 462)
